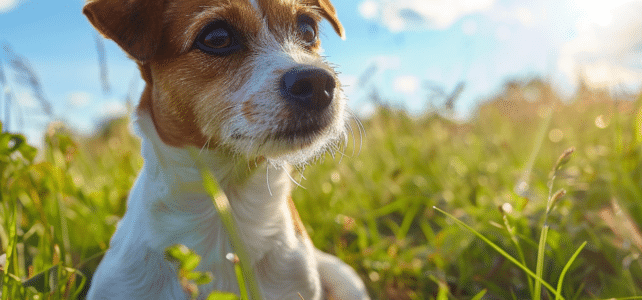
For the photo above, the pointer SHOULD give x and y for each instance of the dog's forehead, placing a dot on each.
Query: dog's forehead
(270, 10)
(185, 18)
(265, 5)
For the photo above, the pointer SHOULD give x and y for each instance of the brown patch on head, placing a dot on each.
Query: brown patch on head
(175, 127)
(281, 11)
(185, 19)
(135, 25)
(279, 15)
(190, 85)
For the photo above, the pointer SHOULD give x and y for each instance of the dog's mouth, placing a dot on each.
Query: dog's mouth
(301, 129)
(295, 138)
(303, 125)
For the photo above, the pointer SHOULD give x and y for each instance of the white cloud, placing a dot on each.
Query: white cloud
(407, 84)
(385, 62)
(513, 15)
(114, 108)
(79, 99)
(369, 9)
(606, 54)
(415, 15)
(7, 5)
(348, 84)
(525, 16)
(82, 125)
(599, 12)
(366, 110)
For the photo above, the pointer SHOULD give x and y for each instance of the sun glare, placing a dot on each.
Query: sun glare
(599, 12)
(7, 5)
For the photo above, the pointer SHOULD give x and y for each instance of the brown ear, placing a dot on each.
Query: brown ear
(330, 13)
(135, 25)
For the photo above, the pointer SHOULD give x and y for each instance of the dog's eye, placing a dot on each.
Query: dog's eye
(307, 30)
(217, 38)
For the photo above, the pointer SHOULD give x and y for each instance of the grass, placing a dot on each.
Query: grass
(248, 285)
(499, 233)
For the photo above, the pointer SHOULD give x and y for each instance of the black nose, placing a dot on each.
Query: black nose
(308, 87)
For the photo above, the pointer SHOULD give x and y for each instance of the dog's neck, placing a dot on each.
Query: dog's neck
(181, 165)
(256, 191)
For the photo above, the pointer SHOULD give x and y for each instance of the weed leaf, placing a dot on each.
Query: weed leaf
(44, 282)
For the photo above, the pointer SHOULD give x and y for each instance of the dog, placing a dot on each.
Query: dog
(243, 83)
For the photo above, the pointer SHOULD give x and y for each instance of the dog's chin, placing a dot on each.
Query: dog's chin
(295, 144)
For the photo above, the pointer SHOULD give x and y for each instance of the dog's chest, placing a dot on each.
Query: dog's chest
(283, 261)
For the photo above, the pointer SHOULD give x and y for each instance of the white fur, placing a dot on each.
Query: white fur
(168, 205)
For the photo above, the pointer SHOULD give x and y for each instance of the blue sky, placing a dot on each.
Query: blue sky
(406, 45)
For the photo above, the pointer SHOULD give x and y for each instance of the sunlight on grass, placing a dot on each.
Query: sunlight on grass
(60, 204)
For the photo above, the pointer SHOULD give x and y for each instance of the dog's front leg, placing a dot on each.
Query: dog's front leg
(340, 281)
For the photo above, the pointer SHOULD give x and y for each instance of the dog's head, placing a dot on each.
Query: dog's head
(245, 75)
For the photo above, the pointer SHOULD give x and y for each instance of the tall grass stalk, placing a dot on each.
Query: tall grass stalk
(224, 211)
(4, 88)
(7, 108)
(27, 76)
(11, 258)
(503, 253)
(102, 63)
(550, 203)
(539, 269)
(520, 251)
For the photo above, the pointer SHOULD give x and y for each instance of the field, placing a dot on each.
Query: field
(499, 173)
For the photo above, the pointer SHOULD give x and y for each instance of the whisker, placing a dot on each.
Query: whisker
(362, 131)
(267, 178)
(347, 137)
(206, 145)
(300, 170)
(342, 155)
(294, 181)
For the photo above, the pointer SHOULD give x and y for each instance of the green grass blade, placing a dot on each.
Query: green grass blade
(222, 296)
(223, 208)
(480, 295)
(44, 281)
(10, 252)
(403, 230)
(241, 280)
(81, 285)
(443, 290)
(541, 248)
(502, 252)
(566, 267)
(224, 211)
(520, 251)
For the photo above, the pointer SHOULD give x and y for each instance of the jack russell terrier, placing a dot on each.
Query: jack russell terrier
(243, 81)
